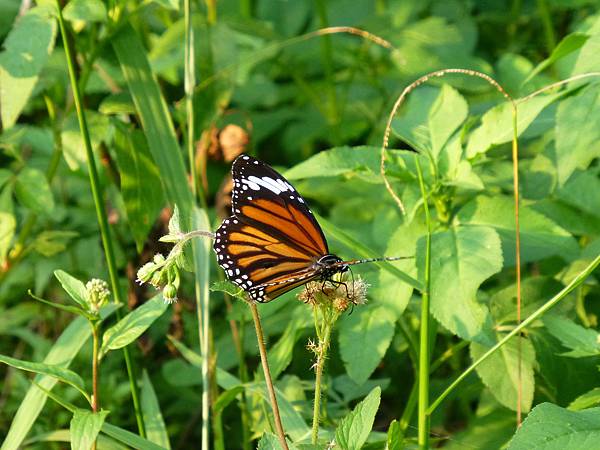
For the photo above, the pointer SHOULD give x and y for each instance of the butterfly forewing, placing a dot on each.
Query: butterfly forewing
(271, 242)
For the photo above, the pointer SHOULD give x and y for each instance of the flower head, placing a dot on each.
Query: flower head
(98, 293)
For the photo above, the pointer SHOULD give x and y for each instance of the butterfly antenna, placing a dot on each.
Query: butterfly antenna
(353, 262)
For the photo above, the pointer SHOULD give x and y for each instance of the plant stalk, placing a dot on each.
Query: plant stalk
(534, 316)
(323, 348)
(268, 380)
(95, 346)
(424, 359)
(100, 213)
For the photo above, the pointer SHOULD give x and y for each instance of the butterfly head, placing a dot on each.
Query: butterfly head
(329, 265)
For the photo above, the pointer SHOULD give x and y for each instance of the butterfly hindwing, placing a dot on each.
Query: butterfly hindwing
(271, 242)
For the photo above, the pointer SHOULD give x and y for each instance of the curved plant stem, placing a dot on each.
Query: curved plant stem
(269, 382)
(100, 213)
(538, 313)
(424, 360)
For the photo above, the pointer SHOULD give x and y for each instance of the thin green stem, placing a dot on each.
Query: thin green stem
(424, 359)
(95, 345)
(323, 348)
(447, 355)
(267, 372)
(534, 316)
(100, 212)
(409, 409)
(546, 18)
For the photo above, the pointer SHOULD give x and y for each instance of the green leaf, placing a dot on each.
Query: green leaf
(497, 123)
(130, 327)
(568, 45)
(362, 160)
(431, 116)
(550, 427)
(49, 243)
(461, 259)
(69, 308)
(293, 423)
(269, 441)
(582, 191)
(353, 430)
(280, 354)
(26, 50)
(587, 400)
(75, 288)
(154, 116)
(85, 426)
(229, 288)
(500, 372)
(582, 341)
(577, 136)
(540, 237)
(169, 4)
(8, 225)
(118, 103)
(224, 378)
(100, 131)
(85, 11)
(226, 397)
(60, 373)
(395, 436)
(156, 430)
(62, 353)
(127, 437)
(364, 337)
(33, 191)
(141, 186)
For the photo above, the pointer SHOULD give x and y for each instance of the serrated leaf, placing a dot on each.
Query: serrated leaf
(75, 288)
(141, 186)
(130, 327)
(33, 191)
(550, 427)
(60, 373)
(364, 337)
(500, 372)
(582, 190)
(461, 259)
(85, 426)
(26, 51)
(156, 430)
(582, 341)
(269, 441)
(540, 237)
(497, 123)
(353, 430)
(577, 136)
(430, 118)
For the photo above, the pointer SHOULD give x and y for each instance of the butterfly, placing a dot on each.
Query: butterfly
(272, 242)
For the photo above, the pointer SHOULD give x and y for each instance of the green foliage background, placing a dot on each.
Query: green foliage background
(316, 109)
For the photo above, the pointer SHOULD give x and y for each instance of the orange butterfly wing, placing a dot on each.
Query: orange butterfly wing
(272, 241)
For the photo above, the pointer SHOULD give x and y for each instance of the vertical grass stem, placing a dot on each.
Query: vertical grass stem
(100, 212)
